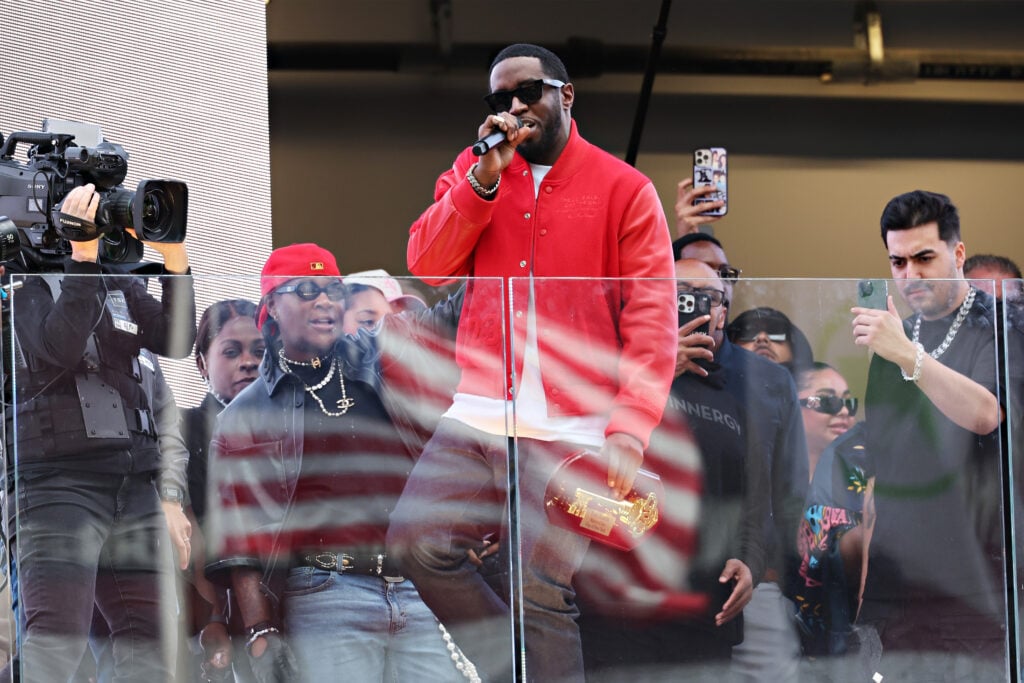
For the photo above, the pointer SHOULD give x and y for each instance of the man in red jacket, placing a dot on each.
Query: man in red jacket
(586, 350)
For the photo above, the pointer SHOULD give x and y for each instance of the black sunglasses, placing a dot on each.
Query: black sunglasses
(716, 296)
(729, 273)
(748, 335)
(308, 290)
(527, 93)
(830, 405)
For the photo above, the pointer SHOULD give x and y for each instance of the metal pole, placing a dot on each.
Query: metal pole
(657, 39)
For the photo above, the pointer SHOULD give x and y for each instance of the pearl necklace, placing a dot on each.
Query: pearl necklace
(462, 662)
(953, 329)
(343, 404)
(315, 363)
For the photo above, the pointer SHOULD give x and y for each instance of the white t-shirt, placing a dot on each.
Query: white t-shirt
(528, 416)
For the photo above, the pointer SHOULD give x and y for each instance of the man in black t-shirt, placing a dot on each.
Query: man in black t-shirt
(934, 587)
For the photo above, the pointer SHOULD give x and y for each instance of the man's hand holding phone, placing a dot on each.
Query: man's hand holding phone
(689, 212)
(694, 346)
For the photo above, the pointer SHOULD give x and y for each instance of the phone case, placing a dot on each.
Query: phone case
(873, 294)
(710, 167)
(693, 305)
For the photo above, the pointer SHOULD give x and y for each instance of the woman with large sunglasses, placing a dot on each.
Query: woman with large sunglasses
(307, 465)
(830, 539)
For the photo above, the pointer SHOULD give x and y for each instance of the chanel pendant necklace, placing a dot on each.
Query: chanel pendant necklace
(316, 363)
(342, 405)
(961, 315)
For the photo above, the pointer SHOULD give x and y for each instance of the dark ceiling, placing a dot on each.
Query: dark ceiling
(837, 41)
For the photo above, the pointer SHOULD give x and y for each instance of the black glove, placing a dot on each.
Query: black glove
(277, 664)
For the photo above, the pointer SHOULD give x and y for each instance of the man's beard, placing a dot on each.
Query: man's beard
(944, 298)
(536, 151)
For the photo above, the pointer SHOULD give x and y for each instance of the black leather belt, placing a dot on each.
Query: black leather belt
(373, 564)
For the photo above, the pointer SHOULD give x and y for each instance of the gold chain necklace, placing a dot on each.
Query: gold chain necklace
(343, 404)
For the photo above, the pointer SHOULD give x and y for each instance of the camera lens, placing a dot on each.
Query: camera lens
(120, 247)
(160, 210)
(155, 218)
(115, 209)
(10, 240)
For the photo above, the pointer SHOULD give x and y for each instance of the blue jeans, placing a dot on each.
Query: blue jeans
(356, 627)
(88, 539)
(458, 493)
(770, 650)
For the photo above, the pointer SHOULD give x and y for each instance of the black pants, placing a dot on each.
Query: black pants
(85, 539)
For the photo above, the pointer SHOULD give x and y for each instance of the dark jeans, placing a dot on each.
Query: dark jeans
(456, 494)
(86, 539)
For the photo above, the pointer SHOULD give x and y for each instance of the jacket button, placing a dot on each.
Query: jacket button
(548, 189)
(522, 264)
(543, 231)
(526, 215)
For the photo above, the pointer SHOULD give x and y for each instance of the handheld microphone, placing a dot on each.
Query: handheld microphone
(489, 142)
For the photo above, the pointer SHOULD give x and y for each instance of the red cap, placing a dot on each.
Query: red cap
(288, 263)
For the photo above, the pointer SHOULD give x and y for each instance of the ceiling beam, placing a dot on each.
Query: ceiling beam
(590, 58)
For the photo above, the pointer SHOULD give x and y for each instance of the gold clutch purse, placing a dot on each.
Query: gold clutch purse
(578, 499)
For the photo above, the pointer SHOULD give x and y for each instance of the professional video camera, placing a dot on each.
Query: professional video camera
(62, 157)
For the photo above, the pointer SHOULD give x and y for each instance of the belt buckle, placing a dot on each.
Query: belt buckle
(380, 571)
(324, 560)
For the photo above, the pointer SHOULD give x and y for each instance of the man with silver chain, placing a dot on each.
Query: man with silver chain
(934, 588)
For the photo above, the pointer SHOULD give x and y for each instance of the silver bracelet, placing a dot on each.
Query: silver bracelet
(259, 634)
(918, 362)
(484, 192)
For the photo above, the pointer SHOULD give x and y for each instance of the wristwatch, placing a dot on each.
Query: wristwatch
(172, 494)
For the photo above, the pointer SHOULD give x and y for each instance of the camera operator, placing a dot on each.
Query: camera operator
(90, 528)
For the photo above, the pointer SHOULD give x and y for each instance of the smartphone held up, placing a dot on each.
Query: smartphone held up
(873, 294)
(710, 168)
(694, 305)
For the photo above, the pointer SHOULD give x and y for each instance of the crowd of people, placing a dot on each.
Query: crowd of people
(365, 491)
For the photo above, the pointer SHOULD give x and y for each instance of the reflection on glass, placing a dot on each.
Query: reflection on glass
(895, 489)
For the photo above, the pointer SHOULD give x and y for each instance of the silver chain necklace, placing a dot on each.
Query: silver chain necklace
(961, 315)
(343, 404)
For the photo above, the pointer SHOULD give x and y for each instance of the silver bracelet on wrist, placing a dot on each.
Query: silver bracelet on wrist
(918, 362)
(259, 634)
(484, 192)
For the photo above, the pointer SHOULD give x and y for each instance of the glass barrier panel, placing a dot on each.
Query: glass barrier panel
(245, 489)
(1011, 357)
(809, 442)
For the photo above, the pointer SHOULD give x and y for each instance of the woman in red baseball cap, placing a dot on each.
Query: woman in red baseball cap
(306, 466)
